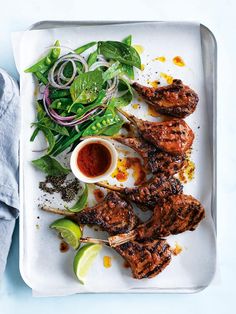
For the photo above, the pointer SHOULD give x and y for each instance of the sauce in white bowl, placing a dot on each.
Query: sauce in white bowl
(93, 160)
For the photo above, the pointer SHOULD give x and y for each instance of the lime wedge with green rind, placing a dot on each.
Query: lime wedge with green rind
(84, 259)
(69, 231)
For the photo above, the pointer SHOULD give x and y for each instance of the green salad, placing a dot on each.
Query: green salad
(81, 95)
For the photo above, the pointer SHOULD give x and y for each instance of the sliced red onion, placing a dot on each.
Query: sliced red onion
(65, 59)
(67, 121)
(99, 64)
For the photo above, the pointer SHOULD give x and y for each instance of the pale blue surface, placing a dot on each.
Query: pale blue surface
(219, 16)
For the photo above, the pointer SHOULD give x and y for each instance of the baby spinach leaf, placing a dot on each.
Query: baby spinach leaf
(50, 166)
(86, 87)
(82, 201)
(119, 51)
(49, 137)
(48, 123)
(128, 69)
(124, 100)
(114, 70)
(127, 40)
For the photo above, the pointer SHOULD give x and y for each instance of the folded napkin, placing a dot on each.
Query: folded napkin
(9, 139)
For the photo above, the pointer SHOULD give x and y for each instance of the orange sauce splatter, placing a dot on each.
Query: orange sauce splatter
(136, 106)
(99, 195)
(168, 78)
(177, 249)
(120, 173)
(154, 84)
(134, 163)
(107, 261)
(138, 48)
(161, 59)
(178, 61)
(139, 173)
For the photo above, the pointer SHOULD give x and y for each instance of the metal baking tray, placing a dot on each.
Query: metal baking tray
(29, 255)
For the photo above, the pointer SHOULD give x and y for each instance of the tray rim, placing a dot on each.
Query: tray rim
(203, 30)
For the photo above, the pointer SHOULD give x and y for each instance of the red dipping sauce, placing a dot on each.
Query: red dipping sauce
(94, 159)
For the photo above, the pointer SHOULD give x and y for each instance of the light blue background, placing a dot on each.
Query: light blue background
(219, 16)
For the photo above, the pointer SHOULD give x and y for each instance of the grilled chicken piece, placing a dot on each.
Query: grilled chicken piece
(146, 259)
(176, 99)
(151, 192)
(178, 213)
(154, 159)
(114, 215)
(172, 136)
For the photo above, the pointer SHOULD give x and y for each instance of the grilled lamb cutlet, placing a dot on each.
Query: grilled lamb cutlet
(172, 136)
(177, 214)
(150, 193)
(114, 215)
(176, 99)
(146, 259)
(154, 159)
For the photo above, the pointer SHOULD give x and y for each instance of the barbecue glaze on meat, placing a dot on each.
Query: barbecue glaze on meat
(172, 136)
(151, 192)
(177, 214)
(114, 215)
(176, 99)
(154, 159)
(146, 259)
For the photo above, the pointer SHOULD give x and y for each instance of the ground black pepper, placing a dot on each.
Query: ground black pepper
(68, 189)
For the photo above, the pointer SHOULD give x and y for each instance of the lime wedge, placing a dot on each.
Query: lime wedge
(83, 260)
(69, 231)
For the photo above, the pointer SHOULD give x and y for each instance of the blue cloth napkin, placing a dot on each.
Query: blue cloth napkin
(9, 140)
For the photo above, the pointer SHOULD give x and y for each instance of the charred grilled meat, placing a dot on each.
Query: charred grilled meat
(150, 193)
(146, 259)
(172, 136)
(176, 99)
(154, 159)
(178, 213)
(114, 215)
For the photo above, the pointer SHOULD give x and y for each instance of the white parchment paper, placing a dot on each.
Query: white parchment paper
(43, 267)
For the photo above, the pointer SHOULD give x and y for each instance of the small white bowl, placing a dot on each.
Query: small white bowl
(74, 166)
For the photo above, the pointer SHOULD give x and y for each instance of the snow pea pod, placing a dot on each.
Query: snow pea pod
(100, 124)
(113, 129)
(41, 78)
(46, 62)
(85, 47)
(61, 104)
